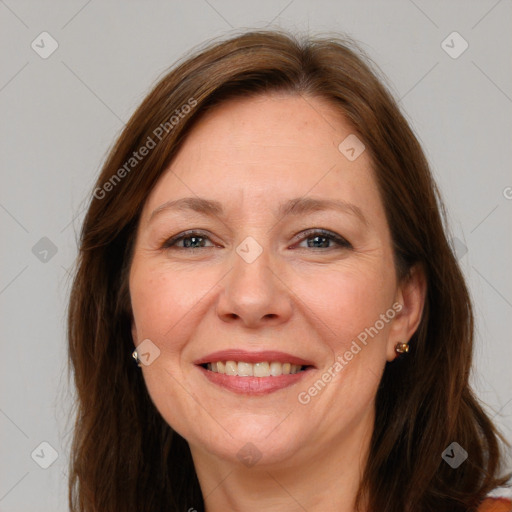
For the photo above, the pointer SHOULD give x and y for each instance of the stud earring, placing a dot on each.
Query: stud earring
(401, 348)
(135, 356)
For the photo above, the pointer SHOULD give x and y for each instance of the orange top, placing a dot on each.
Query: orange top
(496, 505)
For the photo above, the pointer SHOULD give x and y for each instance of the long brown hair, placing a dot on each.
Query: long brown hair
(124, 456)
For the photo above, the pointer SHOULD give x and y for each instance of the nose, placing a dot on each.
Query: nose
(254, 295)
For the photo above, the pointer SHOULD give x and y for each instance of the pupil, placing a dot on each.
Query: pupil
(316, 238)
(188, 241)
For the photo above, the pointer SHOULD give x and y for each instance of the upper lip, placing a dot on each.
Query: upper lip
(252, 357)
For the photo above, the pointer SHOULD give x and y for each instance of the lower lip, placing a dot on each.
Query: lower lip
(253, 385)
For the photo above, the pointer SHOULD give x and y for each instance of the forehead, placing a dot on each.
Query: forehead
(268, 148)
(270, 125)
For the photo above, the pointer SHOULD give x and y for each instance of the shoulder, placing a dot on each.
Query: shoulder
(496, 505)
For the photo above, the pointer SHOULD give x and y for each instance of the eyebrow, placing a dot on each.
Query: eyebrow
(297, 206)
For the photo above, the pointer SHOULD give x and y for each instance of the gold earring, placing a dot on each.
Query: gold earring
(135, 356)
(402, 348)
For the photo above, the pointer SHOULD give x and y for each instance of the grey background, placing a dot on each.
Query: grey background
(60, 115)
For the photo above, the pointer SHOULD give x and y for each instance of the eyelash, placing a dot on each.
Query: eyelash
(340, 241)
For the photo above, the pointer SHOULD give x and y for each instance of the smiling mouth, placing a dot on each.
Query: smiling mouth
(261, 369)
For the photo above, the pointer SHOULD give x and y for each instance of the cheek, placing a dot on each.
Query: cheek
(163, 302)
(351, 325)
(160, 295)
(351, 301)
(161, 299)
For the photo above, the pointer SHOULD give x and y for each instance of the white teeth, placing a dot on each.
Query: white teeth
(263, 369)
(276, 369)
(231, 368)
(244, 369)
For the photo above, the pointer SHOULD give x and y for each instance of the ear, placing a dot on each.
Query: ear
(410, 294)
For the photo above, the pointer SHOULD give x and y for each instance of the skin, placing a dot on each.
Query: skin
(251, 155)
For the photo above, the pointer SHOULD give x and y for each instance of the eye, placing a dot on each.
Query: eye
(190, 239)
(316, 239)
(321, 238)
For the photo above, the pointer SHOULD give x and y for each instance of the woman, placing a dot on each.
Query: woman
(267, 236)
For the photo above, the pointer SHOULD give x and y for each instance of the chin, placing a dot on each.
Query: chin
(251, 442)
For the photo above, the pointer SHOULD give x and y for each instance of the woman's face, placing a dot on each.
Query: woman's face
(289, 265)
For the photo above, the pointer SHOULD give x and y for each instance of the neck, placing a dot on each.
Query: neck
(318, 478)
